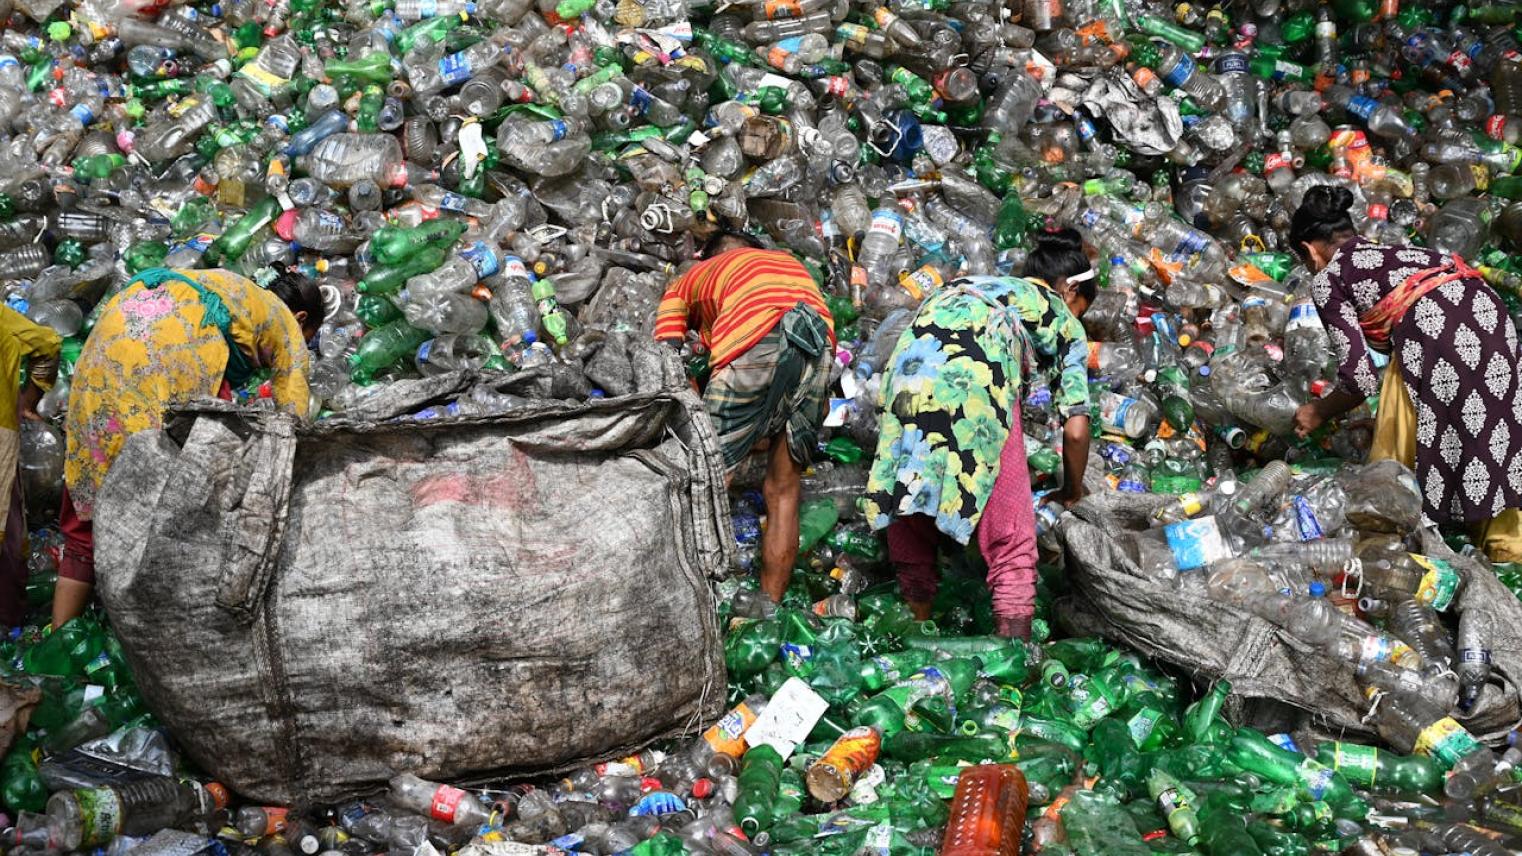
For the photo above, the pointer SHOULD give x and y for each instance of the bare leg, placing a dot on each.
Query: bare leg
(782, 489)
(70, 598)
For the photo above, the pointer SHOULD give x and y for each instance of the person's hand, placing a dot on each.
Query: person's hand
(1307, 419)
(27, 403)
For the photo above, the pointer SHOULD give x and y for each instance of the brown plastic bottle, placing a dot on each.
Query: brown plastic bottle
(987, 812)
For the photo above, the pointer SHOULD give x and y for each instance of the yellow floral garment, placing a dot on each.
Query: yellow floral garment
(19, 339)
(150, 352)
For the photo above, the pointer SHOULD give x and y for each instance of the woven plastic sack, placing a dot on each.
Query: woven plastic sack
(312, 610)
(1112, 597)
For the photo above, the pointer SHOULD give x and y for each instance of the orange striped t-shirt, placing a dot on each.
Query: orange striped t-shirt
(736, 298)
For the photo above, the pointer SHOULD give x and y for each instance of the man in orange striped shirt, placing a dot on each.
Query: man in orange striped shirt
(770, 340)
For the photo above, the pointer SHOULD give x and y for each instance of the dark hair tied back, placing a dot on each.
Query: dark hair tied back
(299, 294)
(1057, 256)
(1322, 216)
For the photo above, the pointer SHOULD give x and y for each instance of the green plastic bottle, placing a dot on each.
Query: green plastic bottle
(1255, 753)
(816, 517)
(393, 245)
(1202, 715)
(760, 781)
(1097, 825)
(909, 746)
(887, 669)
(750, 649)
(1176, 802)
(383, 347)
(21, 787)
(388, 279)
(1184, 37)
(1378, 770)
(234, 242)
(375, 66)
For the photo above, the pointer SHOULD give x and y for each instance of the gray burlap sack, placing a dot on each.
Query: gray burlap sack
(311, 611)
(1113, 598)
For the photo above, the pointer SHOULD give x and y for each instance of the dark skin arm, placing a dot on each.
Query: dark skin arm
(1310, 415)
(1075, 458)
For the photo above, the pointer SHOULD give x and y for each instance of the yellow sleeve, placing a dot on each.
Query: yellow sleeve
(35, 339)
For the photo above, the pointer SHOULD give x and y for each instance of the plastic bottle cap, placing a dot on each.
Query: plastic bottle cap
(1317, 589)
(59, 31)
(529, 337)
(702, 788)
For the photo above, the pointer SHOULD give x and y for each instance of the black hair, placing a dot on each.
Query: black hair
(1058, 255)
(299, 294)
(1322, 216)
(718, 239)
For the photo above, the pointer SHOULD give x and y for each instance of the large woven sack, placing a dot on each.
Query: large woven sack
(1267, 667)
(312, 610)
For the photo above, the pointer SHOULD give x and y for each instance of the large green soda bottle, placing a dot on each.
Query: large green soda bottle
(67, 650)
(387, 279)
(760, 781)
(887, 669)
(909, 746)
(383, 347)
(1377, 770)
(393, 245)
(1255, 753)
(234, 242)
(1202, 722)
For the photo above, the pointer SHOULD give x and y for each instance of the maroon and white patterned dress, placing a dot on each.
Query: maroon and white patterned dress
(1457, 351)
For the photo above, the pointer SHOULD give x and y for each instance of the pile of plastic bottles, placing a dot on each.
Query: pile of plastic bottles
(507, 185)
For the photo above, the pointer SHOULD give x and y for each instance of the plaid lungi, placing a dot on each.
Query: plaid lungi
(779, 385)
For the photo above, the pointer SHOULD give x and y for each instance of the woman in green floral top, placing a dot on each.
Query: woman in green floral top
(951, 457)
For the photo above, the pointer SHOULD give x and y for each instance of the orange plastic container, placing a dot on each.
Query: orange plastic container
(987, 812)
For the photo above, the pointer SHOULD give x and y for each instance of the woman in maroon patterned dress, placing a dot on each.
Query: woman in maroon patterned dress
(1454, 348)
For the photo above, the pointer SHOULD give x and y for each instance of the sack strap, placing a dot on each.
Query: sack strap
(214, 314)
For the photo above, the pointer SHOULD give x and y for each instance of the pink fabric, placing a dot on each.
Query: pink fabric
(1006, 537)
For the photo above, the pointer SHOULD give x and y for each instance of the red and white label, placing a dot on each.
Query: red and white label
(445, 801)
(1495, 127)
(1275, 161)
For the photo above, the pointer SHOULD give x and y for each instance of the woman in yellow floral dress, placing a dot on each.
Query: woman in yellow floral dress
(169, 338)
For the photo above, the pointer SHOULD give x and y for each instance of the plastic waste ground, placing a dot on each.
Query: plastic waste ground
(508, 185)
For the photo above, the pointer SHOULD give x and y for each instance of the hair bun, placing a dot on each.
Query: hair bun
(1065, 239)
(1328, 202)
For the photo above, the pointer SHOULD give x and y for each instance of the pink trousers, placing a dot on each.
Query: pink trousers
(1006, 536)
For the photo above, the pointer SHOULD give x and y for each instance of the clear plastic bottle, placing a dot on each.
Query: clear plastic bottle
(1473, 656)
(1418, 626)
(443, 803)
(880, 244)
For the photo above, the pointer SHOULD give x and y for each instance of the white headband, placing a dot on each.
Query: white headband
(1081, 277)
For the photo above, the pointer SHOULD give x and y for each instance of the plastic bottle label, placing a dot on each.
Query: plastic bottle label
(1495, 127)
(1474, 655)
(482, 258)
(1305, 519)
(1446, 741)
(100, 815)
(427, 8)
(727, 735)
(1181, 71)
(1315, 778)
(888, 222)
(1275, 161)
(796, 658)
(558, 130)
(1439, 584)
(1195, 543)
(1232, 63)
(1143, 724)
(263, 78)
(454, 68)
(1359, 764)
(514, 268)
(1112, 411)
(445, 802)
